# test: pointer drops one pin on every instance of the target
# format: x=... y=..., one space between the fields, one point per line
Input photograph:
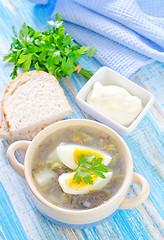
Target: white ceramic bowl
x=79 y=218
x=106 y=76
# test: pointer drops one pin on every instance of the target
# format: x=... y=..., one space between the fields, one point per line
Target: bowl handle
x=17 y=166
x=133 y=202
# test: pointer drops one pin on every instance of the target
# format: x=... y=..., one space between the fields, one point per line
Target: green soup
x=55 y=156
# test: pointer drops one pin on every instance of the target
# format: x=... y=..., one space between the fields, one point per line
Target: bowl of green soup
x=79 y=172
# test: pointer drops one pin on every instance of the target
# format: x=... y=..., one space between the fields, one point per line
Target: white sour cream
x=115 y=102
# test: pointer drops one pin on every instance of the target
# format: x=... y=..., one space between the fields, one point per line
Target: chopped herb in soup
x=78 y=168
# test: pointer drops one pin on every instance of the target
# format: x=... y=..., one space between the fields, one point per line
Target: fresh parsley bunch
x=51 y=51
x=87 y=166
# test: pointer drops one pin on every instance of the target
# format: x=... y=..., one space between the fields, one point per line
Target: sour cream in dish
x=115 y=102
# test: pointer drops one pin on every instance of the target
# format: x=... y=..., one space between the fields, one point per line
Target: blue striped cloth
x=127 y=33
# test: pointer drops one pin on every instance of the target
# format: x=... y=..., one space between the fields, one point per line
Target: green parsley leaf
x=14 y=31
x=89 y=51
x=59 y=17
x=88 y=166
x=67 y=66
x=26 y=64
x=6 y=57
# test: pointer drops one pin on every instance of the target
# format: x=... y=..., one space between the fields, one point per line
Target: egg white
x=98 y=184
x=65 y=154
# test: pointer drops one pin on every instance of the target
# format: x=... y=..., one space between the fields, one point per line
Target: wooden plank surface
x=19 y=218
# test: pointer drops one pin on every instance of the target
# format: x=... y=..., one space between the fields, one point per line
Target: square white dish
x=106 y=76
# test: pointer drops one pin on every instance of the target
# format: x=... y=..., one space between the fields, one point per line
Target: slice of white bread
x=28 y=135
x=31 y=102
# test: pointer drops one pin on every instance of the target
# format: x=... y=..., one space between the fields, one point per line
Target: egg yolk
x=85 y=152
x=72 y=184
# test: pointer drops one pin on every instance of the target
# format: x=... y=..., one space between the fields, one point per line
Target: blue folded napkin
x=127 y=33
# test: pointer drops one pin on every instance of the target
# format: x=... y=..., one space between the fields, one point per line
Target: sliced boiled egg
x=68 y=154
x=70 y=186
